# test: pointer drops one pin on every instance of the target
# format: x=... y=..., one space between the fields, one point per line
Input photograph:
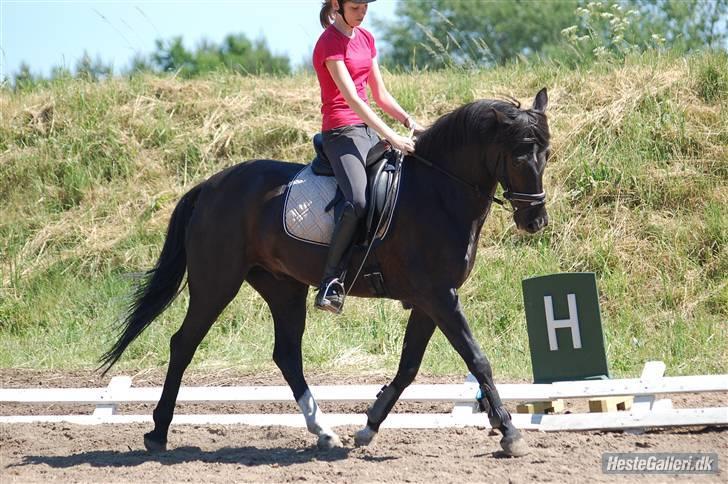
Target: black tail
x=160 y=285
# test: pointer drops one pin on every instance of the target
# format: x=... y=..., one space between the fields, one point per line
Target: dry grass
x=89 y=174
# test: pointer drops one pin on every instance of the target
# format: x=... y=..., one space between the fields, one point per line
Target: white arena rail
x=647 y=411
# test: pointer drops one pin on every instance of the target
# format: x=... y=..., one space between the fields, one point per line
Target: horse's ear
x=541 y=102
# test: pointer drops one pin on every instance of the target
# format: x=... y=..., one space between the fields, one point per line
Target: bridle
x=532 y=199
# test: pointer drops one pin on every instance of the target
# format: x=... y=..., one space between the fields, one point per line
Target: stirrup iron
x=331 y=296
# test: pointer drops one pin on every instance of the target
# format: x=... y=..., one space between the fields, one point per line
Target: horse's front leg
x=445 y=309
x=419 y=331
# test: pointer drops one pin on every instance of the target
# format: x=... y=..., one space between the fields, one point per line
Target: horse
x=227 y=230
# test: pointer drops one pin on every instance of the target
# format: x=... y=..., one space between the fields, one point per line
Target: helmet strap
x=341 y=12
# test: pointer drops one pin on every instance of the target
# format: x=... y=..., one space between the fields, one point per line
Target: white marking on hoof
x=364 y=437
x=516 y=448
x=329 y=441
x=311 y=413
x=327 y=438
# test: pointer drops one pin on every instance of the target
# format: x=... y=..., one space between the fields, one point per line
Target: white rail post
x=465 y=409
x=644 y=404
x=117 y=387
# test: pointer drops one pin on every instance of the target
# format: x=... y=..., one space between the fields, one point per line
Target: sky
x=47 y=33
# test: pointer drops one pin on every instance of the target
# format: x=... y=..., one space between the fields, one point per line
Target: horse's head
x=488 y=142
x=522 y=150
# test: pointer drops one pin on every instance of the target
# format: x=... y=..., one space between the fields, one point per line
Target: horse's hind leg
x=286 y=299
x=212 y=285
x=419 y=331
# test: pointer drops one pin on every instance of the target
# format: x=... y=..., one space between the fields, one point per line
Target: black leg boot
x=331 y=292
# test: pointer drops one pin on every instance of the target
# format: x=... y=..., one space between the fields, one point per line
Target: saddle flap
x=376 y=191
x=377 y=152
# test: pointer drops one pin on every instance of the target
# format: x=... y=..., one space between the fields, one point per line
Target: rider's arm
x=382 y=97
x=343 y=81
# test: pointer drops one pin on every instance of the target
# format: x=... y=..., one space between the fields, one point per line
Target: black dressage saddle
x=383 y=174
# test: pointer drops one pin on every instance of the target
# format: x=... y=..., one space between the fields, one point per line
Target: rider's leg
x=331 y=291
x=346 y=149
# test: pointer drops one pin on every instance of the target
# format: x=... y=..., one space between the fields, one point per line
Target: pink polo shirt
x=357 y=53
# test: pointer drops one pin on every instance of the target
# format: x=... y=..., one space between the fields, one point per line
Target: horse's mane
x=476 y=121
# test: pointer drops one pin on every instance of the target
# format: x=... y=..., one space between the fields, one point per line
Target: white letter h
x=553 y=324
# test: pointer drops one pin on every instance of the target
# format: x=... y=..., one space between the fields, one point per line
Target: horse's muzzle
x=535 y=225
x=531 y=219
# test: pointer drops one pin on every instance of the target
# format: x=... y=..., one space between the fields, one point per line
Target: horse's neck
x=469 y=199
x=444 y=212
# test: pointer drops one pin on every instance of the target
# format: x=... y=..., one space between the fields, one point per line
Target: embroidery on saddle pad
x=304 y=213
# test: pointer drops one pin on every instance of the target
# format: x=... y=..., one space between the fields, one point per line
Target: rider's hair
x=327 y=14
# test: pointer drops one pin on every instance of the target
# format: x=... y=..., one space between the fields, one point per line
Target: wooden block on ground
x=547 y=406
x=610 y=404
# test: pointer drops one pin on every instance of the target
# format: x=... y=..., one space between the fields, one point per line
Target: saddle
x=312 y=199
x=382 y=177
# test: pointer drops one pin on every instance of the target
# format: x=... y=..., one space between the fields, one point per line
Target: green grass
x=638 y=191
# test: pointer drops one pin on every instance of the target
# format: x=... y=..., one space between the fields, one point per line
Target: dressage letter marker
x=564 y=327
x=553 y=324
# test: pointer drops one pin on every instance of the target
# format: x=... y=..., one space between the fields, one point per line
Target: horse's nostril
x=536 y=225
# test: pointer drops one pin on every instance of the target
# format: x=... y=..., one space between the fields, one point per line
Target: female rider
x=345 y=61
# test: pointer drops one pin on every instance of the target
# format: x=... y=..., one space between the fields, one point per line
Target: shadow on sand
x=248 y=456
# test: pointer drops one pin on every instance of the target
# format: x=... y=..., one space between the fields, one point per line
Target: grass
x=89 y=174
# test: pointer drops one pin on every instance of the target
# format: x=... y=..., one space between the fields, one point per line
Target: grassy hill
x=89 y=173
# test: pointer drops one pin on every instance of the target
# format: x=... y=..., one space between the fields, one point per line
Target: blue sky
x=56 y=32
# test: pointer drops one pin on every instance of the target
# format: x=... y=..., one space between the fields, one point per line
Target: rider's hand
x=402 y=143
x=416 y=129
x=413 y=126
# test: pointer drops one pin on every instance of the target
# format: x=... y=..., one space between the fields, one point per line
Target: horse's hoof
x=329 y=441
x=515 y=448
x=153 y=445
x=364 y=437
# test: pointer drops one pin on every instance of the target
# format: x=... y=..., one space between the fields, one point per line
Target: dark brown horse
x=228 y=230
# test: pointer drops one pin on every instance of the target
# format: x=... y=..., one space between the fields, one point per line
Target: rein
x=427 y=162
x=533 y=199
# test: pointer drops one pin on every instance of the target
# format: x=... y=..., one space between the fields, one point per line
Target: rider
x=345 y=60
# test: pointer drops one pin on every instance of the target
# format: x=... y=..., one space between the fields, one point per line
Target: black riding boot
x=331 y=292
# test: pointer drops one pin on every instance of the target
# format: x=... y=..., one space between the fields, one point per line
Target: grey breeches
x=347 y=148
